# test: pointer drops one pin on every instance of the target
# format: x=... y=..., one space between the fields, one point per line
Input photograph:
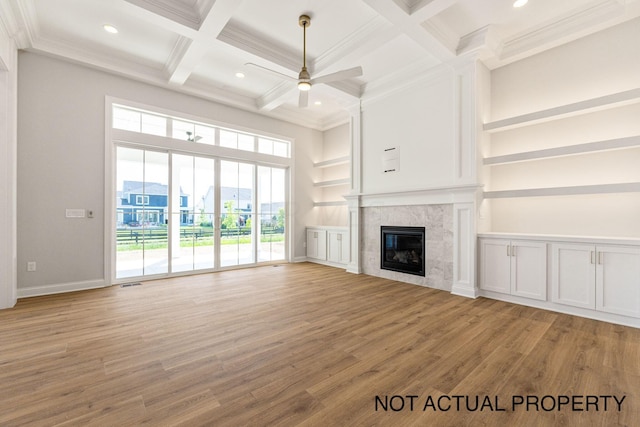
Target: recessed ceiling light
x=318 y=103
x=520 y=3
x=110 y=29
x=240 y=75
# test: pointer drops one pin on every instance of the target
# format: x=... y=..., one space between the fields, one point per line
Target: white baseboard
x=327 y=263
x=564 y=309
x=300 y=259
x=59 y=288
x=464 y=290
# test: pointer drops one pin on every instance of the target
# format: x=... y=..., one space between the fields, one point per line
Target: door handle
x=593 y=257
x=600 y=257
x=508 y=250
x=513 y=250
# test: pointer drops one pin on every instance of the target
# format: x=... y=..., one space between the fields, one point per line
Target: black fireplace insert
x=402 y=249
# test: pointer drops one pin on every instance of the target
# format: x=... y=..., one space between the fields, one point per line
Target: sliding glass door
x=192 y=213
x=271 y=213
x=237 y=219
x=179 y=212
x=142 y=187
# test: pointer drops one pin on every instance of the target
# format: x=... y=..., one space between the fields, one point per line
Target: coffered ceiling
x=198 y=46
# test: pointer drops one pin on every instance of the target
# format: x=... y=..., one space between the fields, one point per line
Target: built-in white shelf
x=627 y=187
x=332 y=162
x=332 y=183
x=581 y=107
x=611 y=144
x=331 y=203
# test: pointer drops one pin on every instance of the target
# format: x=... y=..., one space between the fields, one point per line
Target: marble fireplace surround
x=449 y=217
x=438 y=223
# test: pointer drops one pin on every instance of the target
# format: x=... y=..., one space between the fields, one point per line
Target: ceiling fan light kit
x=304 y=86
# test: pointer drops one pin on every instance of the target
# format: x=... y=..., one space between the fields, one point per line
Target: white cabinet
x=618 y=280
x=338 y=247
x=328 y=245
x=573 y=275
x=516 y=267
x=316 y=244
x=601 y=277
x=495 y=265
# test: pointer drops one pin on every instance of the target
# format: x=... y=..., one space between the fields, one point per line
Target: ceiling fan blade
x=303 y=99
x=269 y=70
x=339 y=75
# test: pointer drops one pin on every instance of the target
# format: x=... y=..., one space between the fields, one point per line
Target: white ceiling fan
x=304 y=79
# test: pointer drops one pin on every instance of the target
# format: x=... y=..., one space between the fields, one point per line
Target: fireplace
x=402 y=249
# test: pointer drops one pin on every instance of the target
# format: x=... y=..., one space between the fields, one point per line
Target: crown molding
x=257 y=44
x=349 y=87
x=177 y=53
x=352 y=43
x=275 y=96
x=483 y=42
x=175 y=11
x=335 y=120
x=442 y=33
x=560 y=30
x=20 y=22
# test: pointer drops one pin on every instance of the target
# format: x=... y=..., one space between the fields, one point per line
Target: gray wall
x=61 y=162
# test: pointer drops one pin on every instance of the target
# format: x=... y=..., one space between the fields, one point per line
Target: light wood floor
x=301 y=344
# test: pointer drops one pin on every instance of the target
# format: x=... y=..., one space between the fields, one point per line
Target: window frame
x=117 y=137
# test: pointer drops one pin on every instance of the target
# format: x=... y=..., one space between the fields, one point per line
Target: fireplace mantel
x=419 y=196
x=463 y=198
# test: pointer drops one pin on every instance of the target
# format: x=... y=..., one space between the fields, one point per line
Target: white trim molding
x=353 y=203
x=464 y=250
x=34 y=291
x=8 y=171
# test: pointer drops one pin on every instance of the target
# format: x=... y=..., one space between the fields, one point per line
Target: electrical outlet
x=31 y=266
x=89 y=214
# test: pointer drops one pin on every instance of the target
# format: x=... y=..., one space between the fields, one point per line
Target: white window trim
x=113 y=137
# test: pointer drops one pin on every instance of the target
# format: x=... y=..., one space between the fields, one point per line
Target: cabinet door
x=316 y=244
x=338 y=246
x=573 y=275
x=618 y=280
x=529 y=269
x=334 y=246
x=495 y=265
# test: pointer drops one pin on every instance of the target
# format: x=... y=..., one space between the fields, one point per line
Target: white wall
x=61 y=164
x=337 y=143
x=8 y=149
x=600 y=64
x=420 y=120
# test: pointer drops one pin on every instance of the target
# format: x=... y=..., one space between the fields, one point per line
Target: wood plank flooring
x=304 y=344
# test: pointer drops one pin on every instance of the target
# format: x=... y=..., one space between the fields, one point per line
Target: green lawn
x=157 y=238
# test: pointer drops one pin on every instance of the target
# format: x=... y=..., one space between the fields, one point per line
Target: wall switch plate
x=31 y=266
x=75 y=213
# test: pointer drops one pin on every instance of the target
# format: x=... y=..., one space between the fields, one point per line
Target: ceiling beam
x=276 y=96
x=211 y=26
x=409 y=21
x=424 y=10
x=198 y=26
x=360 y=43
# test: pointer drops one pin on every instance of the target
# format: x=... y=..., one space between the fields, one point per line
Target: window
x=181 y=207
x=150 y=123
